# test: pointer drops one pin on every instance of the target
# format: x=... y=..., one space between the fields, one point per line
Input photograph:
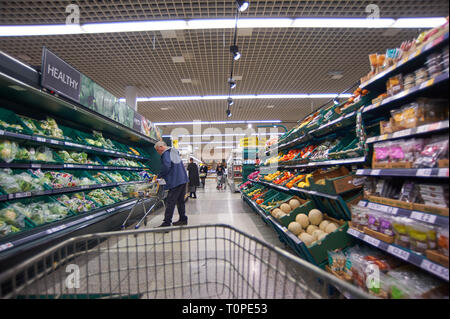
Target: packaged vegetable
x=8 y=150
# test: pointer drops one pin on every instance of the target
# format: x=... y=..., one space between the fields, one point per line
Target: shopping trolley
x=207 y=261
x=155 y=191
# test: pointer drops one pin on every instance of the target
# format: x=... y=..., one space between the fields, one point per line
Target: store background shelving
x=234 y=166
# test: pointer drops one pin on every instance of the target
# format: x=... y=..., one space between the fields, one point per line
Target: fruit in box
x=330 y=228
x=303 y=220
x=285 y=208
x=315 y=217
x=295 y=228
x=311 y=228
x=323 y=225
x=306 y=238
x=294 y=203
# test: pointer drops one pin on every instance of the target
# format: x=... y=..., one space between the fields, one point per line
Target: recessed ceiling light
x=178 y=59
x=270 y=106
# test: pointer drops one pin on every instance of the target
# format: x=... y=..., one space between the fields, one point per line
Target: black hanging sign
x=59 y=76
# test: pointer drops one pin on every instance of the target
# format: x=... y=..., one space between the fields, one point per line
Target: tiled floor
x=223 y=207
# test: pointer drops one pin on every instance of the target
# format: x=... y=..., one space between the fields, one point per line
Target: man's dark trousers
x=175 y=196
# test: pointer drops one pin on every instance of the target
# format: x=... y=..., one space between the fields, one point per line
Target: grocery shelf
x=420 y=130
x=40 y=140
x=402 y=253
x=327 y=163
x=62 y=226
x=405 y=172
x=65 y=190
x=340 y=122
x=429 y=218
x=69 y=166
x=405 y=63
x=408 y=94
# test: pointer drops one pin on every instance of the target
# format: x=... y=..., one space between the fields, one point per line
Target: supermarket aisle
x=222 y=207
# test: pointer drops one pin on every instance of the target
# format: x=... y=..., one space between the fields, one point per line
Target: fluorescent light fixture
x=242 y=97
x=212 y=142
x=224 y=147
x=135 y=26
x=167 y=25
x=218 y=122
x=342 y=23
x=419 y=22
x=221 y=135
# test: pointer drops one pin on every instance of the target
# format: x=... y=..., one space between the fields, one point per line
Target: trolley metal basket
x=208 y=261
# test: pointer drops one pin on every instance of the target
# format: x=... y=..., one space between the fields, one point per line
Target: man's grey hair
x=160 y=143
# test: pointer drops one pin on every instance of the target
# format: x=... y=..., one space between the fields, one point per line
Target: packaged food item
x=418 y=236
x=409 y=81
x=373 y=58
x=434 y=149
x=442 y=241
x=374 y=221
x=381 y=151
x=408 y=192
x=433 y=64
x=8 y=150
x=394 y=85
x=401 y=235
x=386 y=225
x=336 y=260
x=421 y=76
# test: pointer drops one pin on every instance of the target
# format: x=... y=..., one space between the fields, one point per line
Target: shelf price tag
x=353 y=232
x=55 y=229
x=443 y=172
x=424 y=172
x=70 y=144
x=90 y=167
x=402 y=133
x=109 y=210
x=6 y=246
x=434 y=268
x=22 y=195
x=427 y=218
x=400 y=253
x=2 y=132
x=89 y=217
x=53 y=141
x=40 y=139
x=69 y=165
x=35 y=165
x=375 y=172
x=373 y=241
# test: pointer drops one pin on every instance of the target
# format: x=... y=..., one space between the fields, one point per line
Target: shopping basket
x=207 y=261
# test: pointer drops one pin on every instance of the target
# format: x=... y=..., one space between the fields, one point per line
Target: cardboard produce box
x=337 y=181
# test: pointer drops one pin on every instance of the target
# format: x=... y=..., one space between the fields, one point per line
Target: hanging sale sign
x=59 y=76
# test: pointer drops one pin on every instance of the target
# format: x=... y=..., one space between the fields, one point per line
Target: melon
x=295 y=228
x=294 y=203
x=323 y=225
x=285 y=208
x=275 y=212
x=322 y=236
x=330 y=228
x=316 y=234
x=311 y=229
x=315 y=216
x=307 y=239
x=303 y=220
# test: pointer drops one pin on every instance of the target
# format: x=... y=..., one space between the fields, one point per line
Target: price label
x=90 y=167
x=35 y=165
x=55 y=229
x=424 y=172
x=443 y=172
x=400 y=253
x=375 y=172
x=353 y=232
x=427 y=218
x=423 y=128
x=7 y=245
x=373 y=241
x=2 y=132
x=103 y=185
x=70 y=144
x=69 y=165
x=89 y=147
x=428 y=83
x=109 y=210
x=53 y=141
x=22 y=195
x=362 y=203
x=40 y=139
x=84 y=187
x=89 y=217
x=435 y=269
x=402 y=133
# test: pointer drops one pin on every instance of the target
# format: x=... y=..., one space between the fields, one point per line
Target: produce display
x=77 y=202
x=61 y=179
x=116 y=194
x=101 y=197
x=77 y=158
x=122 y=162
x=396 y=280
x=119 y=177
x=11 y=151
x=99 y=141
x=38 y=212
x=12 y=182
x=102 y=178
x=10 y=127
x=283 y=177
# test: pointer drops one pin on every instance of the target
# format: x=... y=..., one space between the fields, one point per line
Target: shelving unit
x=27 y=97
x=234 y=165
x=368 y=116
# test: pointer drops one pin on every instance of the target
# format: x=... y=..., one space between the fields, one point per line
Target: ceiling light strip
x=220 y=122
x=195 y=24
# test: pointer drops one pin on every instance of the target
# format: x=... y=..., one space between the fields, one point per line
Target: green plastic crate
x=19 y=171
x=11 y=118
x=73 y=194
x=304 y=208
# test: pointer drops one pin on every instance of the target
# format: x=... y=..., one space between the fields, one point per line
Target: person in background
x=194 y=180
x=203 y=174
x=174 y=173
x=220 y=173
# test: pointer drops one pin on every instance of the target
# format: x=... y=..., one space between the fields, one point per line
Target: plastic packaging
x=434 y=149
x=400 y=226
x=442 y=241
x=8 y=150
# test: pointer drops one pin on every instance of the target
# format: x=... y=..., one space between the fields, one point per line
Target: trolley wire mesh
x=210 y=261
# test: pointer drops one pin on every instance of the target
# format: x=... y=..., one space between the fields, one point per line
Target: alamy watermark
x=73 y=279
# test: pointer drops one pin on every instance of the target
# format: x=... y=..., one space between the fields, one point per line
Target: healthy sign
x=59 y=76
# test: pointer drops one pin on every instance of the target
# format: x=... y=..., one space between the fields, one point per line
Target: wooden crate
x=378 y=235
x=437 y=257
